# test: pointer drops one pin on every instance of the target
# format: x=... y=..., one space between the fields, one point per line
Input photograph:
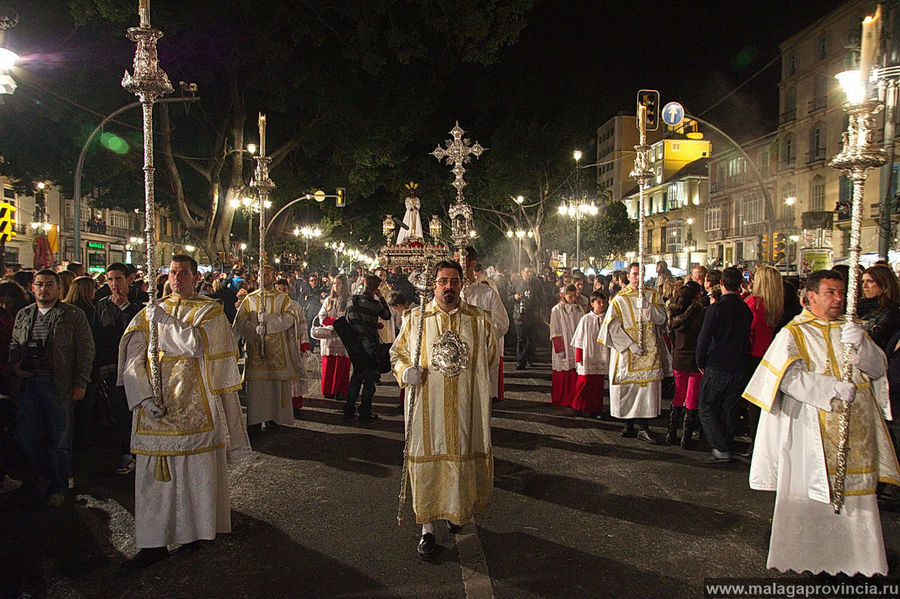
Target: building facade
x=616 y=139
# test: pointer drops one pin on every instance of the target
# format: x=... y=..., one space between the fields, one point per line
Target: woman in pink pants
x=685 y=321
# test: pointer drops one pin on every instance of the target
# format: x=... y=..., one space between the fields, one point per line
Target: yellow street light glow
x=251 y=148
x=8 y=59
x=509 y=234
x=577 y=155
x=520 y=199
x=790 y=201
x=247 y=201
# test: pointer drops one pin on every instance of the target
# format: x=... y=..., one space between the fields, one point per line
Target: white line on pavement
x=476 y=579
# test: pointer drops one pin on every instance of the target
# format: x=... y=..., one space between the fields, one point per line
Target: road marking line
x=476 y=579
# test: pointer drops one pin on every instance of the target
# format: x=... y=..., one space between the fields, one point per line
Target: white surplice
x=595 y=355
x=564 y=320
x=484 y=296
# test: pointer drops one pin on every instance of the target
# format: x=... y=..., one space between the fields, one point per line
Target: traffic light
x=779 y=252
x=762 y=247
x=341 y=201
x=7 y=222
x=650 y=99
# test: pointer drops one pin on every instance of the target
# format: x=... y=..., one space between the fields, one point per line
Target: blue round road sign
x=673 y=114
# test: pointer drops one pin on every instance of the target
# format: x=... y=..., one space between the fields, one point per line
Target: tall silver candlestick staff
x=148 y=83
x=642 y=174
x=264 y=187
x=860 y=154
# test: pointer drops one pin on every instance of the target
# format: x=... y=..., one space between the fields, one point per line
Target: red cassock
x=563 y=387
x=588 y=395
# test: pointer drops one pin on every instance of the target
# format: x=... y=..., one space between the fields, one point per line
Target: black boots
x=691 y=424
x=674 y=419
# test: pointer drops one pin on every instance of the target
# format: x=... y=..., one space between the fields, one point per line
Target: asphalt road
x=577 y=511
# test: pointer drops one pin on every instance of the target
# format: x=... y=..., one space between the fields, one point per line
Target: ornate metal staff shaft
x=641 y=173
x=424 y=283
x=859 y=155
x=148 y=83
x=264 y=187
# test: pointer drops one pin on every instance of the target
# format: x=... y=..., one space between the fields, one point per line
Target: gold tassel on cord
x=162 y=470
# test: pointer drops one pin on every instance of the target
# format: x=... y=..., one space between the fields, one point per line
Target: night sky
x=692 y=52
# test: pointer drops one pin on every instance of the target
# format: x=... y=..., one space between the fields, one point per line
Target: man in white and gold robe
x=182 y=442
x=271 y=381
x=451 y=467
x=635 y=372
x=484 y=295
x=799 y=389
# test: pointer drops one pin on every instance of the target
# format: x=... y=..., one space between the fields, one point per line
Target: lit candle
x=262 y=134
x=871 y=29
x=144 y=12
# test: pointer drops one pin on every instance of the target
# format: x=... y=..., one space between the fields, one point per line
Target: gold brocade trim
x=480 y=506
x=800 y=342
x=451 y=414
x=162 y=470
x=169 y=452
x=168 y=394
x=757 y=402
x=425 y=459
x=779 y=374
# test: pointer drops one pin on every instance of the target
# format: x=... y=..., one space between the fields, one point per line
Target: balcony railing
x=817 y=155
x=101 y=228
x=817 y=104
x=787 y=117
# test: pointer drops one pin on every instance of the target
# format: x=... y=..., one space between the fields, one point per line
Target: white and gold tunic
x=634 y=381
x=272 y=381
x=795 y=452
x=181 y=480
x=482 y=295
x=451 y=466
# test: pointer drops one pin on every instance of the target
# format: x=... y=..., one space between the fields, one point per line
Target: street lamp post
x=308 y=233
x=577 y=156
x=576 y=211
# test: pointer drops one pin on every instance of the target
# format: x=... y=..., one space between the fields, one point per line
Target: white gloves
x=636 y=350
x=152 y=409
x=412 y=376
x=845 y=391
x=261 y=330
x=157 y=314
x=852 y=334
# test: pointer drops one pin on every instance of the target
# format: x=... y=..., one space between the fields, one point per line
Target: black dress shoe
x=646 y=437
x=146 y=557
x=453 y=528
x=368 y=417
x=427 y=547
x=629 y=433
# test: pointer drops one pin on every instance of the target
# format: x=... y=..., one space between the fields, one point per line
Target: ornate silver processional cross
x=457 y=152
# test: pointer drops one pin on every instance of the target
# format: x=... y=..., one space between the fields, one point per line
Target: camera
x=34 y=356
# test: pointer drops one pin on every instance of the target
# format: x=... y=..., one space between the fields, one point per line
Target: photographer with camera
x=527 y=299
x=52 y=352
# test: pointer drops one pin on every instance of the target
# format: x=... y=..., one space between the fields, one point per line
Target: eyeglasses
x=443 y=281
x=40 y=284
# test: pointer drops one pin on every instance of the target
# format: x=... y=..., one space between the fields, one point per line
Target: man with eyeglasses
x=52 y=352
x=451 y=467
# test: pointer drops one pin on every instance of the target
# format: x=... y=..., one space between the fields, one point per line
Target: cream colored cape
x=198 y=359
x=795 y=430
x=485 y=296
x=619 y=332
x=451 y=465
x=285 y=335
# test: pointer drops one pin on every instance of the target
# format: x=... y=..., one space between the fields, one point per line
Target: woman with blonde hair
x=65 y=281
x=335 y=360
x=81 y=294
x=766 y=301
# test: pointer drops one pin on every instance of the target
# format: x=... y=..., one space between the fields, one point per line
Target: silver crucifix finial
x=457 y=152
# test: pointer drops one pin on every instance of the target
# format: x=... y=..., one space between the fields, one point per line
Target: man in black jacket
x=112 y=316
x=527 y=299
x=723 y=347
x=363 y=313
